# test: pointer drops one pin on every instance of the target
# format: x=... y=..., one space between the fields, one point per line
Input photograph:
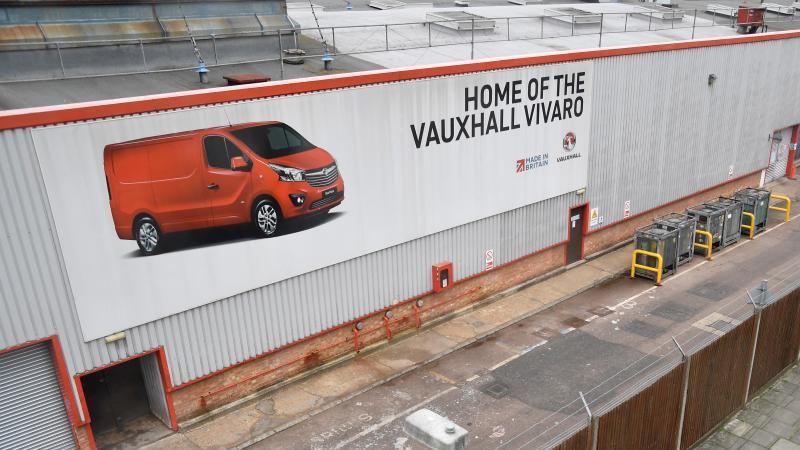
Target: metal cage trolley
x=732 y=224
x=685 y=225
x=711 y=220
x=756 y=202
x=660 y=239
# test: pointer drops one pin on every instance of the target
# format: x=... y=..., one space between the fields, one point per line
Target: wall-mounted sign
x=160 y=213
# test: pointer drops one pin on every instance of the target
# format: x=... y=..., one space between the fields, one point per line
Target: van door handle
x=213 y=186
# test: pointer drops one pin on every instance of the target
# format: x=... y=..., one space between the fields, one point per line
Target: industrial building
x=92 y=338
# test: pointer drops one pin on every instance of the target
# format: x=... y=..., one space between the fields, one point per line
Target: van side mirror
x=240 y=164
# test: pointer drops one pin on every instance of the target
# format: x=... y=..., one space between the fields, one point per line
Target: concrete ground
x=510 y=372
x=770 y=421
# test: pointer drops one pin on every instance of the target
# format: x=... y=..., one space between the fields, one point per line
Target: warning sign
x=489 y=260
x=594 y=217
x=626 y=212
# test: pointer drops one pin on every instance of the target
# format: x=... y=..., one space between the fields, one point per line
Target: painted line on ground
x=392 y=418
x=504 y=362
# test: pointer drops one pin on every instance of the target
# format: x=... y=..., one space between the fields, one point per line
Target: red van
x=261 y=173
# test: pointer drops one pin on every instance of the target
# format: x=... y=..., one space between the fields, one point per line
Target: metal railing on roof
x=64 y=59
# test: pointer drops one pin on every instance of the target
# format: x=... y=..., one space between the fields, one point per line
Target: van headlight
x=288 y=173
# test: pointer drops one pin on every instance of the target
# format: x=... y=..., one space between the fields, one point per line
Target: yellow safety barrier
x=706 y=246
x=752 y=227
x=659 y=269
x=787 y=210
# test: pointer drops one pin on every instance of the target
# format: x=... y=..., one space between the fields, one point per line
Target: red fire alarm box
x=442 y=276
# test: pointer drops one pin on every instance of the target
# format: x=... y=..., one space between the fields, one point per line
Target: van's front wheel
x=148 y=236
x=266 y=217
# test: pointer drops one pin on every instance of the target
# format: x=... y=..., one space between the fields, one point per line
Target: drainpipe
x=791 y=169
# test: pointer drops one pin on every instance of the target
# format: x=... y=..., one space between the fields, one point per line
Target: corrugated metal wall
x=660 y=132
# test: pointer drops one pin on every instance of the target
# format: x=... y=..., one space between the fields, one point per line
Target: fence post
x=386 y=28
x=572 y=26
x=687 y=361
x=430 y=25
x=333 y=39
x=144 y=58
x=541 y=31
x=472 y=41
x=757 y=306
x=214 y=45
x=600 y=42
x=61 y=60
x=595 y=429
x=280 y=50
x=625 y=30
x=694 y=23
x=508 y=28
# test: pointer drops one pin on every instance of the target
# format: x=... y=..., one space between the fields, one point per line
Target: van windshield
x=273 y=141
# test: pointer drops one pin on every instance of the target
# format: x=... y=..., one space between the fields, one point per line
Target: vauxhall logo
x=568 y=143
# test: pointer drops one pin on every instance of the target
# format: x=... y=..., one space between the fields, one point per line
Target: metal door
x=575 y=243
x=32 y=411
x=778 y=155
x=154 y=385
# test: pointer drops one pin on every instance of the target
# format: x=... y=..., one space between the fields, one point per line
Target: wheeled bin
x=756 y=202
x=685 y=225
x=660 y=239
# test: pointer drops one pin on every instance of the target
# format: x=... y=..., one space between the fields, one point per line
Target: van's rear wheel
x=266 y=217
x=148 y=236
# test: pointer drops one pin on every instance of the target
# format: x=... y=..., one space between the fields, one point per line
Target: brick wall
x=281 y=364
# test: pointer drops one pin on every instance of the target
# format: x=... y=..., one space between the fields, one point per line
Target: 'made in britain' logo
x=532 y=162
x=568 y=143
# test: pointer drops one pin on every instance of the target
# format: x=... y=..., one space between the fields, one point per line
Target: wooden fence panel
x=647 y=421
x=778 y=340
x=717 y=381
x=582 y=440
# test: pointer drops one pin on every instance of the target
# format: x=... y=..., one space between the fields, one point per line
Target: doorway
x=577 y=219
x=127 y=402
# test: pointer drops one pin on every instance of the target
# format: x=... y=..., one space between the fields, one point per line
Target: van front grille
x=327 y=200
x=322 y=177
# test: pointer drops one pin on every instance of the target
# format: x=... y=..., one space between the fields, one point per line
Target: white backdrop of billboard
x=402 y=181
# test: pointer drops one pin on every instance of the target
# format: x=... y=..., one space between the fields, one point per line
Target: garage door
x=32 y=412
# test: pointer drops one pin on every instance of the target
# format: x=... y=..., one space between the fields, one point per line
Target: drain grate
x=602 y=311
x=643 y=329
x=721 y=325
x=495 y=389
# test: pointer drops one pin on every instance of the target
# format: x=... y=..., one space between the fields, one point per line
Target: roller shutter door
x=32 y=411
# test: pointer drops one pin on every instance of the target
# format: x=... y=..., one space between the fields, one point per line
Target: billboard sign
x=160 y=213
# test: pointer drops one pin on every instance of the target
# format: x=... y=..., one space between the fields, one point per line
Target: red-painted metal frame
x=791 y=169
x=166 y=382
x=584 y=231
x=62 y=375
x=31 y=117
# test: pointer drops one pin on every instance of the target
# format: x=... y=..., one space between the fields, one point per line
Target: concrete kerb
x=217 y=412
